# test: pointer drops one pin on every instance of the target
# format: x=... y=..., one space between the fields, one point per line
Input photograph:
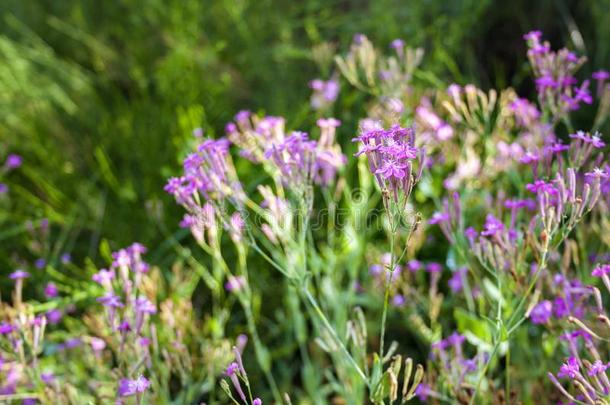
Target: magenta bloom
x=597 y=368
x=231 y=369
x=50 y=290
x=434 y=267
x=569 y=369
x=6 y=328
x=398 y=300
x=13 y=161
x=391 y=154
x=471 y=233
x=601 y=75
x=439 y=217
x=493 y=226
x=110 y=300
x=414 y=265
x=53 y=316
x=132 y=387
x=397 y=44
x=456 y=282
x=422 y=391
x=144 y=306
x=235 y=284
x=601 y=270
x=18 y=275
x=455 y=339
x=47 y=377
x=103 y=276
x=542 y=312
x=97 y=344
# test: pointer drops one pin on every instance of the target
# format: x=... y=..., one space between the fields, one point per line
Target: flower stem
x=258 y=348
x=331 y=330
x=484 y=371
x=386 y=299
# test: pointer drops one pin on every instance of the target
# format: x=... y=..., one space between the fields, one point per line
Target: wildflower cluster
x=558 y=92
x=391 y=155
x=499 y=290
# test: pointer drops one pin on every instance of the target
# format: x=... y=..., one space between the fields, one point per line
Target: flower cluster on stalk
x=128 y=311
x=393 y=159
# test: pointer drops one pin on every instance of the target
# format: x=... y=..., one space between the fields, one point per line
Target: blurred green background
x=101 y=97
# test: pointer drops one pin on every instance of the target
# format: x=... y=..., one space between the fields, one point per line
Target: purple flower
x=422 y=391
x=97 y=344
x=13 y=161
x=235 y=284
x=54 y=316
x=582 y=93
x=601 y=75
x=65 y=258
x=493 y=226
x=414 y=265
x=324 y=93
x=47 y=377
x=584 y=137
x=471 y=233
x=19 y=275
x=569 y=369
x=455 y=339
x=526 y=113
x=3 y=188
x=529 y=158
x=545 y=82
x=597 y=368
x=434 y=267
x=103 y=276
x=540 y=186
x=257 y=401
x=392 y=169
x=231 y=369
x=560 y=308
x=40 y=263
x=397 y=44
x=533 y=36
x=143 y=305
x=132 y=387
x=124 y=327
x=390 y=155
x=72 y=343
x=398 y=300
x=470 y=365
x=6 y=328
x=600 y=270
x=456 y=282
x=439 y=217
x=375 y=269
x=541 y=313
x=110 y=300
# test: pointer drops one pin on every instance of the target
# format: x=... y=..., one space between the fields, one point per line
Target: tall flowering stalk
x=397 y=166
x=295 y=164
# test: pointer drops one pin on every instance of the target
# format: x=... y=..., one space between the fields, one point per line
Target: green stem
x=333 y=333
x=507 y=395
x=386 y=299
x=484 y=371
x=258 y=348
x=541 y=266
